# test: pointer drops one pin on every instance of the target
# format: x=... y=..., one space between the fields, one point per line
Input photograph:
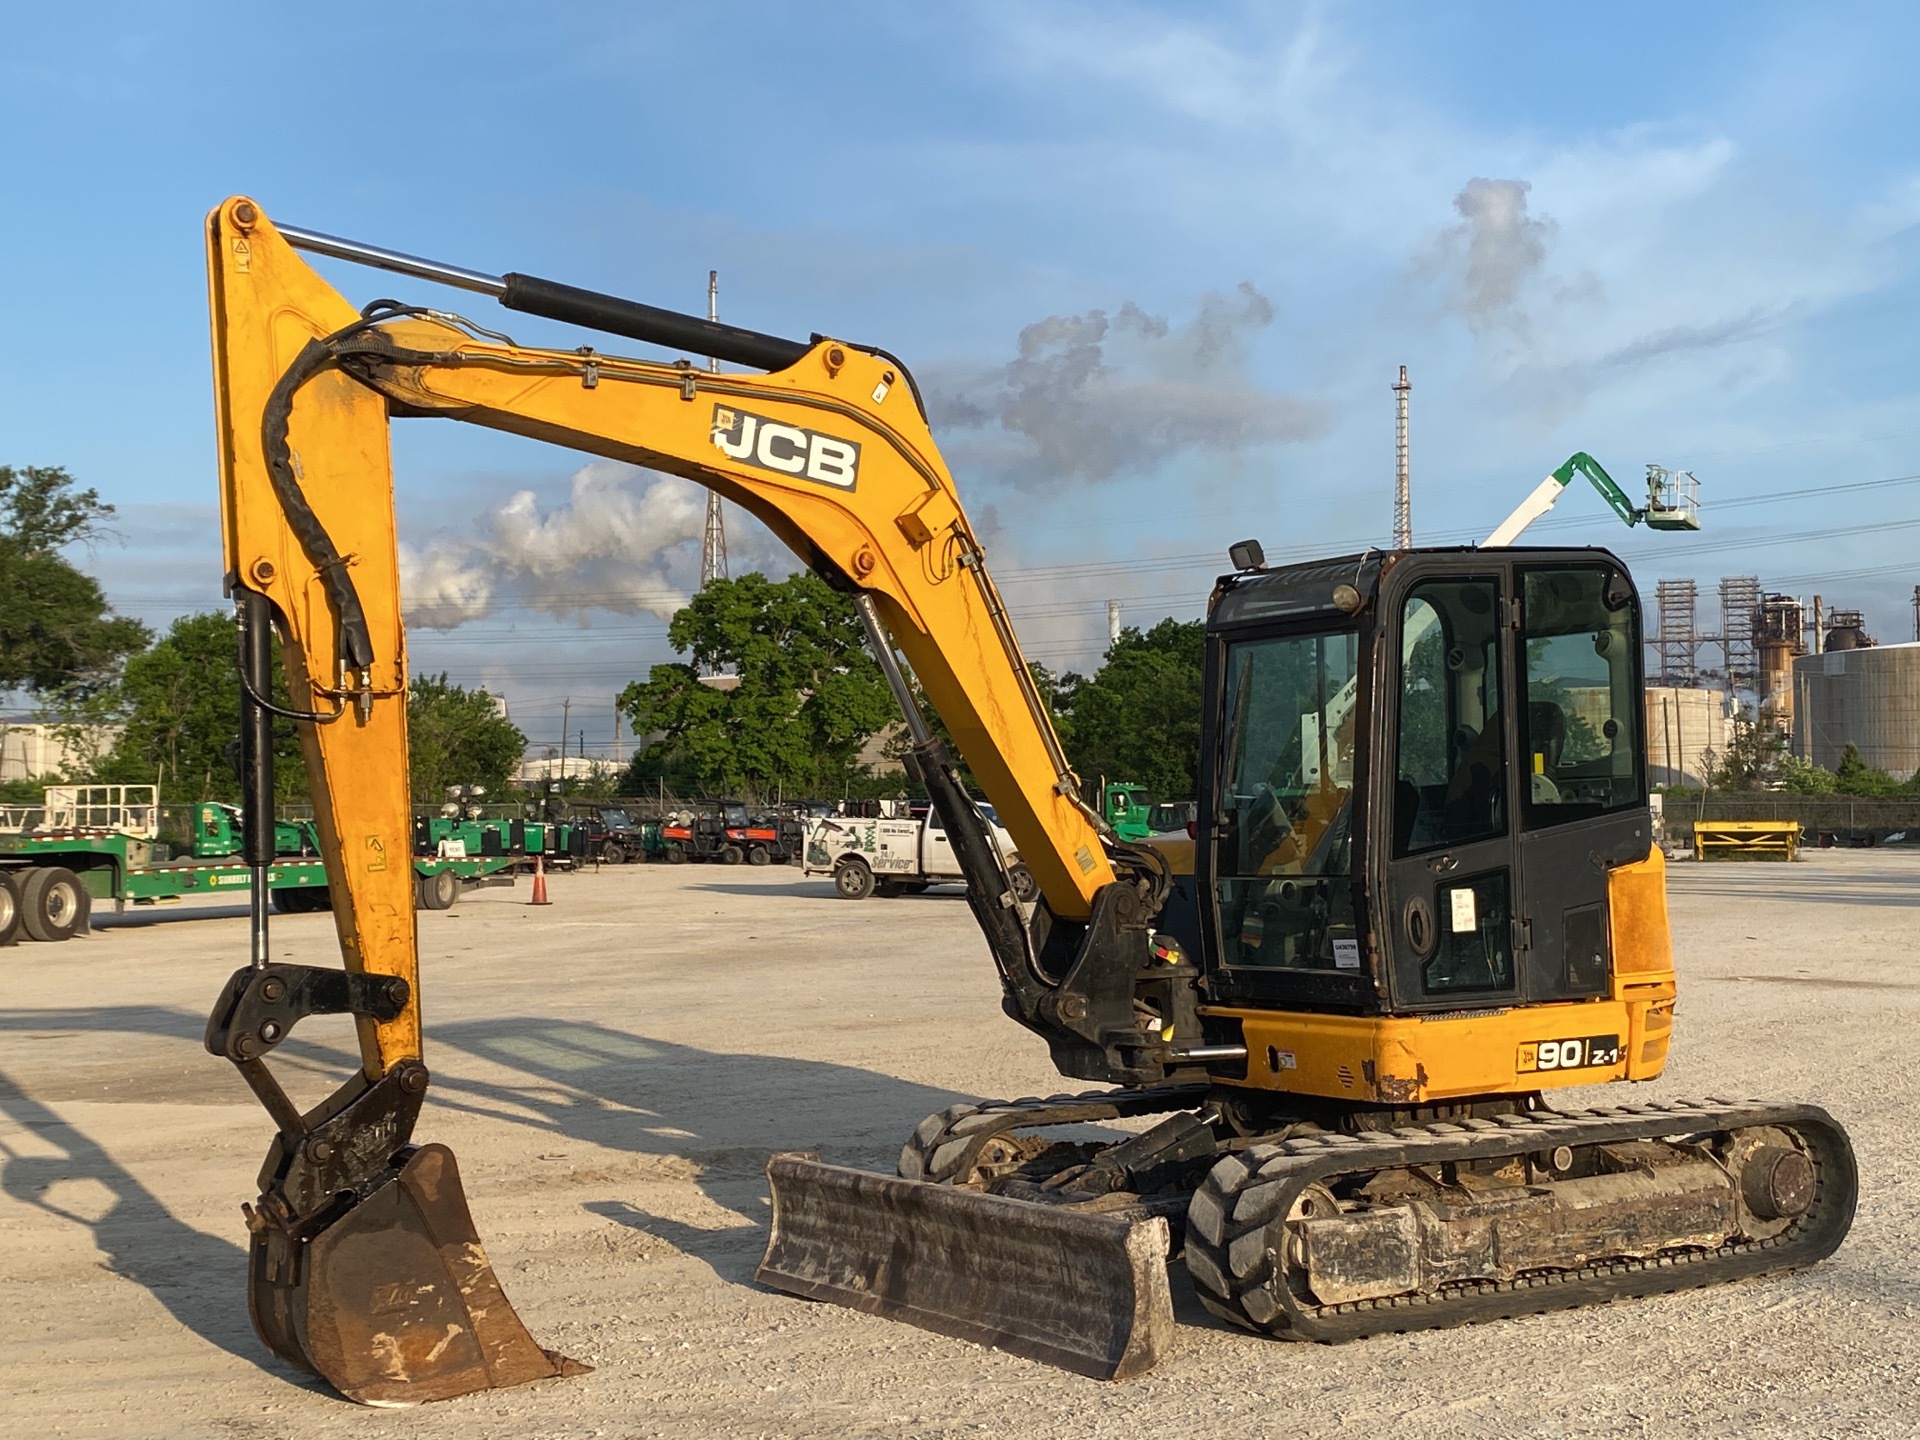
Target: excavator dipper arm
x=832 y=452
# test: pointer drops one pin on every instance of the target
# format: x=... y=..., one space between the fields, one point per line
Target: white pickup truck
x=900 y=856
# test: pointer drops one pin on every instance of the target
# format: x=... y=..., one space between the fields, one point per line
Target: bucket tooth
x=1078 y=1289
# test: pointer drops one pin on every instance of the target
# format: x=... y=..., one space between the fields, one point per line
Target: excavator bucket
x=394 y=1302
x=1079 y=1289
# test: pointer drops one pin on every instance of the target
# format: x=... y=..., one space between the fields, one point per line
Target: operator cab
x=1418 y=768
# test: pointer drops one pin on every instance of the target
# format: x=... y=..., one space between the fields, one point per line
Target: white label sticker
x=1464 y=919
x=1346 y=954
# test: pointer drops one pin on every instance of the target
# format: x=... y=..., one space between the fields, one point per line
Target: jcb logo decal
x=785 y=449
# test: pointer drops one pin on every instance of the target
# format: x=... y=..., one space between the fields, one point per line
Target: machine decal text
x=1575 y=1054
x=785 y=449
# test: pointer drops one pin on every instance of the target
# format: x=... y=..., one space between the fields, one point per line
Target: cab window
x=1580 y=726
x=1283 y=856
x=1450 y=787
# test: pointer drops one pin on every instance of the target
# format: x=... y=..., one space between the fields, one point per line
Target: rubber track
x=1232 y=1261
x=944 y=1145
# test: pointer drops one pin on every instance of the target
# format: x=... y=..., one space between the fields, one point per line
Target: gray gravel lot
x=613 y=1070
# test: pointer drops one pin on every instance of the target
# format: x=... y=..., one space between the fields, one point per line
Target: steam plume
x=1494 y=251
x=613 y=546
x=1090 y=395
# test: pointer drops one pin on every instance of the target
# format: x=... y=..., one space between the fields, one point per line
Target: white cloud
x=615 y=545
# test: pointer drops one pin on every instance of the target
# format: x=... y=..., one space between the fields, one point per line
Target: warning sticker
x=1464 y=918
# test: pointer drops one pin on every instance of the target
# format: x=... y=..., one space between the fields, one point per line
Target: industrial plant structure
x=1809 y=671
x=1867 y=696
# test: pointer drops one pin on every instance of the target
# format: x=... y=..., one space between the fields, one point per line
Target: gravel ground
x=612 y=1072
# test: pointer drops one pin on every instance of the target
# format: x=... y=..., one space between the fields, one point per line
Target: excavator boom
x=832 y=452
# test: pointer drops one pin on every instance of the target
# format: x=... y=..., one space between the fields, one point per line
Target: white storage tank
x=1686 y=734
x=1867 y=695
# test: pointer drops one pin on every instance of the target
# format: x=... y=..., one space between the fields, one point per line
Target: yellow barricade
x=1745 y=839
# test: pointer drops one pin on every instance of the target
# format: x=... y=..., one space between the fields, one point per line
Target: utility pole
x=566 y=715
x=713 y=547
x=1916 y=612
x=1402 y=490
x=616 y=735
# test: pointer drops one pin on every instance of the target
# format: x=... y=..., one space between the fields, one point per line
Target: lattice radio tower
x=1402 y=490
x=713 y=545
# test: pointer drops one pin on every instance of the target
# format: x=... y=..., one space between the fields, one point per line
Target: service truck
x=900 y=856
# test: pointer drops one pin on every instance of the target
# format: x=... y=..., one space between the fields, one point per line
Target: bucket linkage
x=363 y=1264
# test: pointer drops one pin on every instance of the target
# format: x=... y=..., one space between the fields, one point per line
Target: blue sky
x=1677 y=234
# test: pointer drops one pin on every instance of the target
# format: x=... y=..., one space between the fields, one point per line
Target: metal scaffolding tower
x=1678 y=643
x=1402 y=489
x=713 y=545
x=1739 y=609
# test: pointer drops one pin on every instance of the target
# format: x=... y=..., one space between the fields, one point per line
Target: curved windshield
x=1282 y=857
x=1289 y=753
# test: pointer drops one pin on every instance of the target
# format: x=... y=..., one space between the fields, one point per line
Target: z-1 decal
x=1577 y=1054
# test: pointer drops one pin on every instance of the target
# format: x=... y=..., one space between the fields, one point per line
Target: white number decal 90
x=1561 y=1054
x=1575 y=1054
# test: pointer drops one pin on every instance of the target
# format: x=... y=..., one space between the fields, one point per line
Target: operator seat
x=1546 y=743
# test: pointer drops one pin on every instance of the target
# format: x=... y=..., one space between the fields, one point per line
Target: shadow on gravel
x=708 y=1117
x=818 y=888
x=724 y=1112
x=733 y=1254
x=711 y=1118
x=199 y=1278
x=821 y=888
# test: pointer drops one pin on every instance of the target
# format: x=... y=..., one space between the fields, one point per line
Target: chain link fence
x=1823 y=819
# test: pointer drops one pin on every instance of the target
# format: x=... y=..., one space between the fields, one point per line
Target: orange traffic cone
x=540 y=881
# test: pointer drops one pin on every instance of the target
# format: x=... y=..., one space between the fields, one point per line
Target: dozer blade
x=393 y=1301
x=1081 y=1290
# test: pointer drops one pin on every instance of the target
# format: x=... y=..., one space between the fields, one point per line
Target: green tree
x=1800 y=777
x=1753 y=759
x=1137 y=718
x=456 y=736
x=1853 y=776
x=807 y=695
x=179 y=704
x=57 y=632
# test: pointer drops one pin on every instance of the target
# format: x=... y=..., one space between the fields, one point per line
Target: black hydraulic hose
x=356 y=641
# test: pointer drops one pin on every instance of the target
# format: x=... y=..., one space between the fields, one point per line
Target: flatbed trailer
x=66 y=859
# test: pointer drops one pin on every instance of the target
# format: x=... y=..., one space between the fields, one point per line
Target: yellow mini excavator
x=1421 y=894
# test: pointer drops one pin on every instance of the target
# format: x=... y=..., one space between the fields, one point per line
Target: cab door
x=939 y=858
x=1582 y=797
x=1446 y=924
